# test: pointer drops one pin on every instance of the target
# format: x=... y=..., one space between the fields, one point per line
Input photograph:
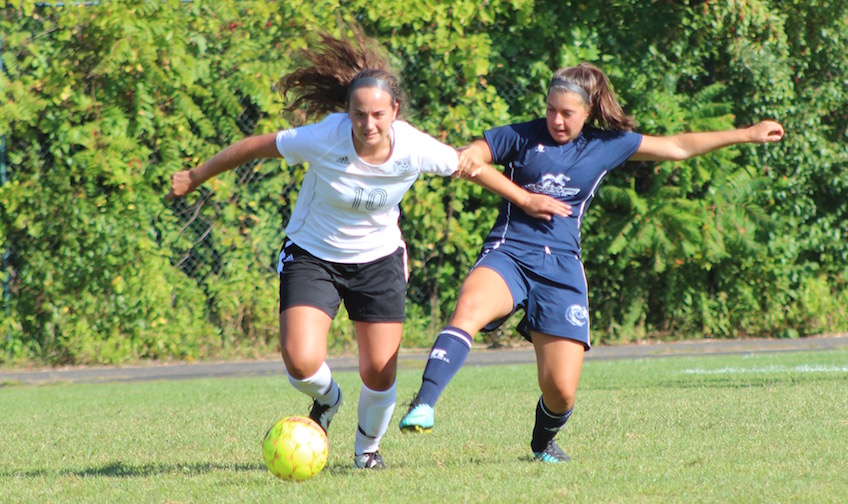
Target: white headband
x=567 y=84
x=370 y=82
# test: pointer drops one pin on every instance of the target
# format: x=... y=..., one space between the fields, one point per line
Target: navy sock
x=447 y=356
x=548 y=424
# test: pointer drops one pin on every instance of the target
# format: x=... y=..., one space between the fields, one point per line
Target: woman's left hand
x=542 y=206
x=766 y=131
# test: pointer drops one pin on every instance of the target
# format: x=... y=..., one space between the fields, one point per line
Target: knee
x=559 y=403
x=378 y=379
x=301 y=373
x=467 y=314
x=559 y=398
x=300 y=368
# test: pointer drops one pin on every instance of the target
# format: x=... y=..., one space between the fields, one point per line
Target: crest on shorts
x=577 y=315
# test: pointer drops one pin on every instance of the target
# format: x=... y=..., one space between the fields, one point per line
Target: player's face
x=567 y=113
x=372 y=111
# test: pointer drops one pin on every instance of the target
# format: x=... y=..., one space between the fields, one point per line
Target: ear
x=395 y=110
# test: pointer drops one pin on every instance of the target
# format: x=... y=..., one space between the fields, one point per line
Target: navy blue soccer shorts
x=372 y=292
x=549 y=285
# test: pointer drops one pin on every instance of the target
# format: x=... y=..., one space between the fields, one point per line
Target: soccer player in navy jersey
x=343 y=242
x=535 y=264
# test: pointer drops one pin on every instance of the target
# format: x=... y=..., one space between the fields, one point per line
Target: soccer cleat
x=419 y=418
x=369 y=460
x=323 y=413
x=552 y=454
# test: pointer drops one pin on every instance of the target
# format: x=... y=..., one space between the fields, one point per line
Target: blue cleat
x=419 y=418
x=552 y=454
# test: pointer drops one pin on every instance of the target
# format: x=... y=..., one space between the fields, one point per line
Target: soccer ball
x=295 y=448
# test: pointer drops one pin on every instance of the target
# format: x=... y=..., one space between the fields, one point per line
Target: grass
x=756 y=428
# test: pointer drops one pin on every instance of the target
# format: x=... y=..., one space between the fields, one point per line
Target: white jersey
x=347 y=210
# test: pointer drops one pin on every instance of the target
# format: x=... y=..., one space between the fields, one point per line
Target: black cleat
x=369 y=460
x=323 y=413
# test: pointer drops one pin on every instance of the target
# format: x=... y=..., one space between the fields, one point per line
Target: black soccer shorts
x=372 y=292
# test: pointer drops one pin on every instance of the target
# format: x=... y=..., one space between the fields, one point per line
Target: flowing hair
x=606 y=113
x=331 y=65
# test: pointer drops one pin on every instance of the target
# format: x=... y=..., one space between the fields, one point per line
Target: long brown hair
x=331 y=65
x=606 y=112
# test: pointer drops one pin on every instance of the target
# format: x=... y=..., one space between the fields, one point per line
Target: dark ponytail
x=330 y=66
x=606 y=113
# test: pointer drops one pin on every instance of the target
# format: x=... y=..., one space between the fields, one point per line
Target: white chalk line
x=804 y=368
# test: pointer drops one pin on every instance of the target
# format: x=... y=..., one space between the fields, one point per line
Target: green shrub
x=99 y=104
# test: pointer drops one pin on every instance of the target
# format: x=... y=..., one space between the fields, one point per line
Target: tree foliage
x=100 y=103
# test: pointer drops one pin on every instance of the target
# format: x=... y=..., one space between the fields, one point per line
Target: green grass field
x=755 y=428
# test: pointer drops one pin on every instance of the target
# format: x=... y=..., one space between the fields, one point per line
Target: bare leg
x=378 y=349
x=303 y=345
x=484 y=297
x=303 y=339
x=559 y=362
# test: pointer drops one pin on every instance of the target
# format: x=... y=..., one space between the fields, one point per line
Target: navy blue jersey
x=569 y=173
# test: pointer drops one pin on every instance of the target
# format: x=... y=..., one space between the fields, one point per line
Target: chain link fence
x=203 y=258
x=200 y=216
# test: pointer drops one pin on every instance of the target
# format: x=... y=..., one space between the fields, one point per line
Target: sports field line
x=806 y=368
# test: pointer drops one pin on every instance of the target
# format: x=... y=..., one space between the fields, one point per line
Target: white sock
x=320 y=386
x=375 y=413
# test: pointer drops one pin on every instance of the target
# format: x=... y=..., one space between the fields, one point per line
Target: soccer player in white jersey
x=534 y=264
x=343 y=242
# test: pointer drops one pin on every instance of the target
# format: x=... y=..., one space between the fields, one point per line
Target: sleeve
x=434 y=157
x=306 y=143
x=505 y=142
x=292 y=144
x=619 y=146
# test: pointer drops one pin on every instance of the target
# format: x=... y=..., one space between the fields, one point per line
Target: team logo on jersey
x=439 y=354
x=540 y=148
x=343 y=161
x=577 y=315
x=402 y=165
x=553 y=185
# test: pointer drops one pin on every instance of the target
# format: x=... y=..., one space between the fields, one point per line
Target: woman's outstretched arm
x=247 y=149
x=687 y=145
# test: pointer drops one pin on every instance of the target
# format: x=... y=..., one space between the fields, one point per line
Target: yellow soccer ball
x=295 y=448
